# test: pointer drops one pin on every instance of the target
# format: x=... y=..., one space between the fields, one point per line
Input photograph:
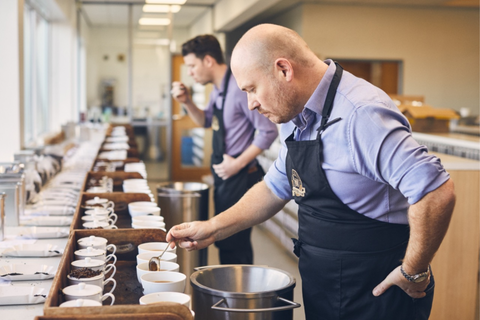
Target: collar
x=314 y=105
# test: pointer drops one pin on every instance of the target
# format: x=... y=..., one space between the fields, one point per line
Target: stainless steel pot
x=241 y=292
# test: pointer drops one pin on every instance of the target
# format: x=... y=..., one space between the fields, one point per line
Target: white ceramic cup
x=99 y=211
x=99 y=224
x=145 y=257
x=143 y=210
x=93 y=253
x=81 y=303
x=156 y=297
x=97 y=190
x=163 y=281
x=94 y=264
x=86 y=291
x=155 y=247
x=164 y=266
x=96 y=242
x=100 y=217
x=105 y=203
x=96 y=281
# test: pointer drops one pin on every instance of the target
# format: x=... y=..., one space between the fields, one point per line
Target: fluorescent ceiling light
x=161 y=8
x=153 y=42
x=154 y=21
x=166 y=1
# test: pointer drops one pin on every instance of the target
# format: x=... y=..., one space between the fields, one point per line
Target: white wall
x=439 y=46
x=151 y=70
x=11 y=76
x=291 y=18
x=107 y=42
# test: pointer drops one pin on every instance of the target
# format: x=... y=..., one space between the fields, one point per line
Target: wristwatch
x=416 y=278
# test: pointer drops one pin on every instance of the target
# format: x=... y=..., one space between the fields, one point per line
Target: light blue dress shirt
x=371 y=160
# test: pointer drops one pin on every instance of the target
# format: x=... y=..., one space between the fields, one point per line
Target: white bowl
x=142 y=203
x=147 y=218
x=143 y=210
x=145 y=257
x=142 y=268
x=148 y=224
x=156 y=297
x=155 y=247
x=163 y=281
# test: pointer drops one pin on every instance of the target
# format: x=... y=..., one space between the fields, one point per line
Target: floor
x=266 y=250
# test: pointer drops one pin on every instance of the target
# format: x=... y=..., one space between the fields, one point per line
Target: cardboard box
x=425 y=118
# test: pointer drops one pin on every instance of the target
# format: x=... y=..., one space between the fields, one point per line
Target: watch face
x=420 y=278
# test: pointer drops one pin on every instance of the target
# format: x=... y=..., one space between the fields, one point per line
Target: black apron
x=342 y=254
x=236 y=249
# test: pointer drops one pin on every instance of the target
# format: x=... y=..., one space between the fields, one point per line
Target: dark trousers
x=236 y=249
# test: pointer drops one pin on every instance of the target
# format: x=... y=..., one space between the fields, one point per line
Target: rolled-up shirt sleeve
x=393 y=156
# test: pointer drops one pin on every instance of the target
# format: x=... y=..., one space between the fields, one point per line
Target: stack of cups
x=89 y=273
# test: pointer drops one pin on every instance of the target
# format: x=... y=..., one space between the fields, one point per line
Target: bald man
x=374 y=206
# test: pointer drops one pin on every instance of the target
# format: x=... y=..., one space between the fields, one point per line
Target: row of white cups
x=168 y=284
x=100 y=213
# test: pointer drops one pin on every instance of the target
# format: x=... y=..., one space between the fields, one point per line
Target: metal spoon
x=154 y=263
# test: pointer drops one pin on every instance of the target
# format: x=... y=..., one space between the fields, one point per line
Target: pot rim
x=245 y=295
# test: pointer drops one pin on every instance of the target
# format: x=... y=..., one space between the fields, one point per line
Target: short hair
x=204 y=45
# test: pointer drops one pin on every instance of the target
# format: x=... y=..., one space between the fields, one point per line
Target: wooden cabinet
x=456 y=263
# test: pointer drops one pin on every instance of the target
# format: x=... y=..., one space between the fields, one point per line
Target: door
x=191 y=144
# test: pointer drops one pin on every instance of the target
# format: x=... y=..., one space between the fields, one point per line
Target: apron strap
x=225 y=85
x=328 y=105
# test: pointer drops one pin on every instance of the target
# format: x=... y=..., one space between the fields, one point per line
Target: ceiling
x=114 y=13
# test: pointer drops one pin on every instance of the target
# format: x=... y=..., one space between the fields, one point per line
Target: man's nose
x=253 y=104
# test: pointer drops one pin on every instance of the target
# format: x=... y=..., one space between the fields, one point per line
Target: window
x=36 y=77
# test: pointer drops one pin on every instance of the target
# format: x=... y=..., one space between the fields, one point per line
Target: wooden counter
x=456 y=264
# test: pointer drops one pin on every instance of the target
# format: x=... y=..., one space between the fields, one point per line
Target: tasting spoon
x=154 y=263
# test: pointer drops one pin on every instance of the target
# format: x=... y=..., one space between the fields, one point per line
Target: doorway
x=385 y=74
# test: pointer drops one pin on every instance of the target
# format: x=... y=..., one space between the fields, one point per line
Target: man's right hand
x=192 y=235
x=180 y=92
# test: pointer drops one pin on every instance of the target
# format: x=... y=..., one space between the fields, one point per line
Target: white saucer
x=15 y=272
x=32 y=250
x=12 y=295
x=44 y=233
x=48 y=221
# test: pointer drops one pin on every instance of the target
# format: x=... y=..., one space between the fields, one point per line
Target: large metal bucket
x=184 y=202
x=242 y=292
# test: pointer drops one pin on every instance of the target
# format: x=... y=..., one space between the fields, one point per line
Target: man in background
x=235 y=145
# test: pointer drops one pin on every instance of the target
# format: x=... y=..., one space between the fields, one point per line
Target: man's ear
x=208 y=61
x=284 y=69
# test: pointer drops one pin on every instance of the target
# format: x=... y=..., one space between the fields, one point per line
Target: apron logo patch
x=297 y=188
x=215 y=125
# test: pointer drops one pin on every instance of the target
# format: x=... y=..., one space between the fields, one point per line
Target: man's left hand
x=227 y=168
x=414 y=290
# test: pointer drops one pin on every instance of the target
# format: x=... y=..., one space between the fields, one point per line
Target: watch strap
x=414 y=277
